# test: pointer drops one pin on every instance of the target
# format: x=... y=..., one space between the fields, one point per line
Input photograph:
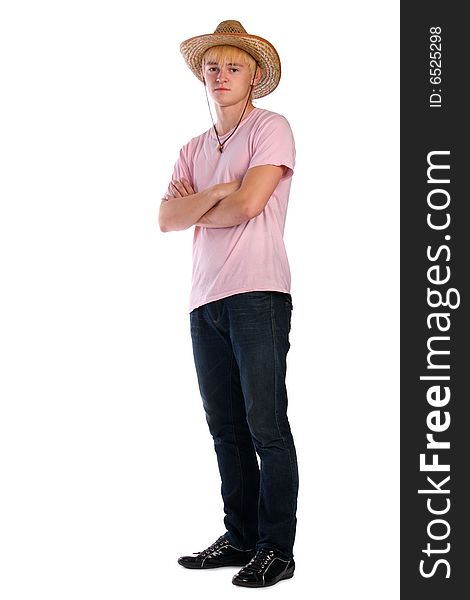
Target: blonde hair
x=229 y=54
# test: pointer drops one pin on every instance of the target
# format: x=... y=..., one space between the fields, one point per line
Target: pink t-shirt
x=250 y=256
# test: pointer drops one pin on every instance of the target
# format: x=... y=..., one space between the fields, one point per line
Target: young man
x=233 y=182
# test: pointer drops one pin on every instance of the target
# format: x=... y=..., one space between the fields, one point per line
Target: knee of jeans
x=221 y=430
x=269 y=433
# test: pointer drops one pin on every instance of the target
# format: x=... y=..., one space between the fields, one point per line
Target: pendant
x=221 y=148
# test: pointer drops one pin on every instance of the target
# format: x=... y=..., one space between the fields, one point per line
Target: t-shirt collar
x=243 y=121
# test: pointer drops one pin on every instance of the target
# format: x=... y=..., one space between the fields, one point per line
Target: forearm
x=229 y=212
x=181 y=213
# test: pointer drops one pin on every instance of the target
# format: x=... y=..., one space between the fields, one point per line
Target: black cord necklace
x=222 y=144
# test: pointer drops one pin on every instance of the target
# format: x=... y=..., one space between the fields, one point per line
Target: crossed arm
x=222 y=205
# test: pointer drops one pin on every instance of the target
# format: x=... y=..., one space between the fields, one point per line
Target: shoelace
x=213 y=547
x=260 y=560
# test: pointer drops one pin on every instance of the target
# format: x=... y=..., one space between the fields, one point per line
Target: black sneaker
x=220 y=554
x=267 y=567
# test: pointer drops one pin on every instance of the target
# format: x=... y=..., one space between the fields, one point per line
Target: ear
x=258 y=75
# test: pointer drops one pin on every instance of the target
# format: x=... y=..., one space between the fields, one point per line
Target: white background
x=108 y=472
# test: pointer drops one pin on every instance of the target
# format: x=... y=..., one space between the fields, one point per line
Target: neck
x=228 y=116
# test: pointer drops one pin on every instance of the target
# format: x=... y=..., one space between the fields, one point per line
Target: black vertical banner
x=435 y=270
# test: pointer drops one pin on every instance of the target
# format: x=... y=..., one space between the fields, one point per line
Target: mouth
x=221 y=90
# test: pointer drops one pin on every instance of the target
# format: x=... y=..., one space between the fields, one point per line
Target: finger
x=184 y=187
x=181 y=187
x=176 y=189
x=187 y=186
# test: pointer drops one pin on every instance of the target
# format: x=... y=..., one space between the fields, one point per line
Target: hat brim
x=260 y=49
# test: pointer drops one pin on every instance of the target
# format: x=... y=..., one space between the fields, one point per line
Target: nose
x=222 y=76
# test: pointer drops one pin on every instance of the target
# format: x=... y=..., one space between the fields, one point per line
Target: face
x=228 y=83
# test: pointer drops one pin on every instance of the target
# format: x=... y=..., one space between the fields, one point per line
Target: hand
x=180 y=188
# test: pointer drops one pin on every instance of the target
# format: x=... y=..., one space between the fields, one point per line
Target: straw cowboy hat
x=232 y=33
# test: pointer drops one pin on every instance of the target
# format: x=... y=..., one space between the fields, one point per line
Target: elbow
x=251 y=210
x=162 y=224
x=161 y=219
x=165 y=225
x=247 y=208
x=164 y=221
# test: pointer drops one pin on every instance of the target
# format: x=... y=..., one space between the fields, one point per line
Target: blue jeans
x=240 y=344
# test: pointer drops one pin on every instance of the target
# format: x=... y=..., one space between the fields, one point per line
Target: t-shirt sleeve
x=273 y=144
x=181 y=169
